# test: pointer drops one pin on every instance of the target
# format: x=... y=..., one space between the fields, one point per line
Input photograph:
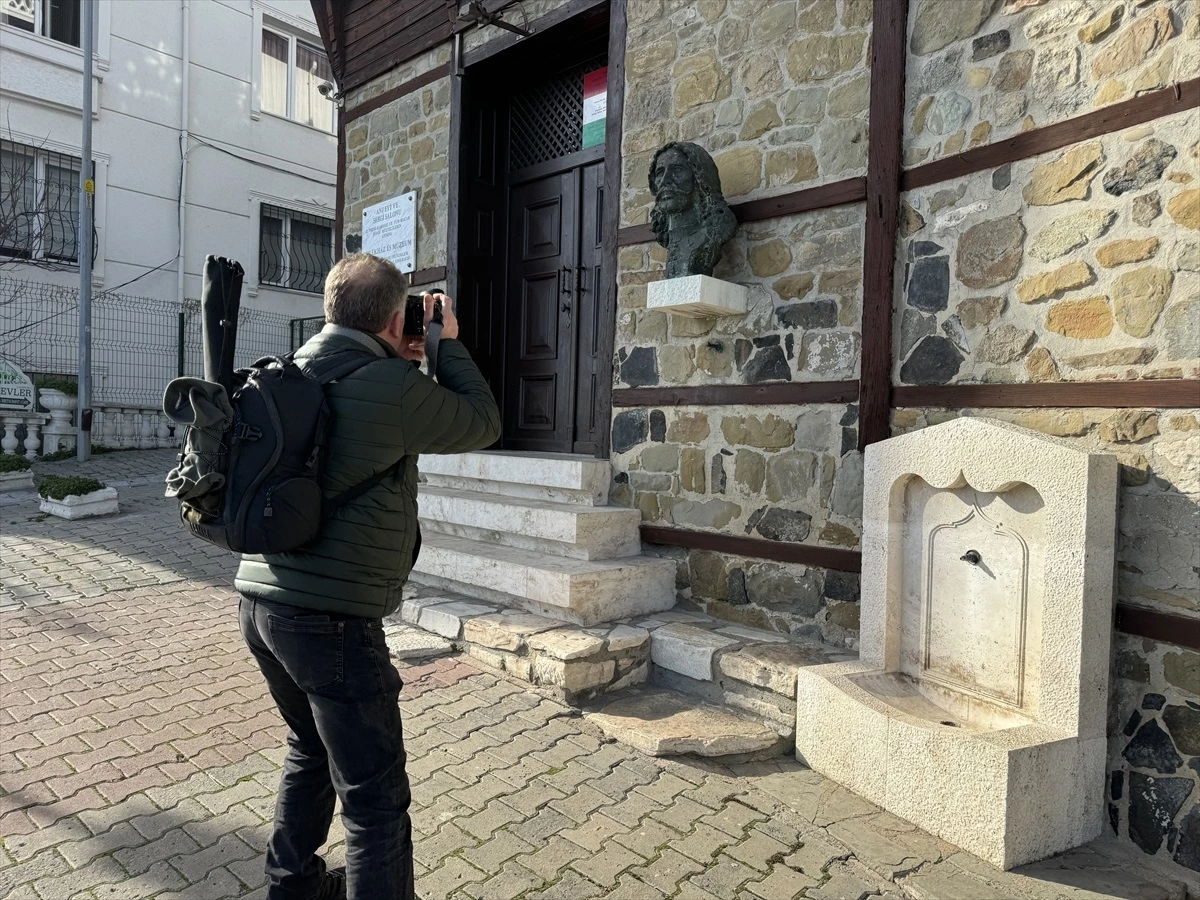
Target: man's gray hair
x=364 y=291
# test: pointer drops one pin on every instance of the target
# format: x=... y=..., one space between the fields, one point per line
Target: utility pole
x=83 y=244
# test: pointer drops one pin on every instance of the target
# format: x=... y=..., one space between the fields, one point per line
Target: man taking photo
x=313 y=617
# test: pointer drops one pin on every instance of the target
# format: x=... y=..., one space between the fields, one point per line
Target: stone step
x=584 y=592
x=563 y=478
x=670 y=723
x=563 y=529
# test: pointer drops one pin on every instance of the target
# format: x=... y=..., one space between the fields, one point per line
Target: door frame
x=460 y=65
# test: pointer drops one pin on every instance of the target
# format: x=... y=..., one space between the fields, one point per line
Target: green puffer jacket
x=385 y=412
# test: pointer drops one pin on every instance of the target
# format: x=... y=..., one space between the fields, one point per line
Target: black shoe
x=333 y=884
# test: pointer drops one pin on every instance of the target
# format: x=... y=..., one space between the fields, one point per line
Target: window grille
x=547 y=117
x=295 y=250
x=39 y=204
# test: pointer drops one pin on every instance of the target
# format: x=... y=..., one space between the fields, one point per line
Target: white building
x=258 y=135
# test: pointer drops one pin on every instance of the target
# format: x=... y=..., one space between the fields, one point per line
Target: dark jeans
x=338 y=691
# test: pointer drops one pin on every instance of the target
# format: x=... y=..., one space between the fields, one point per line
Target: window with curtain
x=274 y=73
x=39 y=204
x=292 y=73
x=58 y=20
x=295 y=249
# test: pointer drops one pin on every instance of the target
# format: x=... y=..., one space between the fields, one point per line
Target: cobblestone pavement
x=139 y=754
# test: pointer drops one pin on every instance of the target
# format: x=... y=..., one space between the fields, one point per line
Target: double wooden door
x=552 y=334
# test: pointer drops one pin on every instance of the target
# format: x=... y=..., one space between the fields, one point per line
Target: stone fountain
x=977 y=708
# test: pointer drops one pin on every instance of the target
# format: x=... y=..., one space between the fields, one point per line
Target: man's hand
x=449 y=320
x=412 y=348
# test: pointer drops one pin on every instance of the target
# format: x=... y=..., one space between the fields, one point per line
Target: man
x=312 y=618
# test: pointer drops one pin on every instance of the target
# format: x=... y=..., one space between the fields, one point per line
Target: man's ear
x=395 y=325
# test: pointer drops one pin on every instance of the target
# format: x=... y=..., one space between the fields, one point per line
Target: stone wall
x=980 y=71
x=778 y=94
x=400 y=147
x=1077 y=265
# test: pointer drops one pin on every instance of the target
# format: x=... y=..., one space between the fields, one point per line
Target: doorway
x=533 y=301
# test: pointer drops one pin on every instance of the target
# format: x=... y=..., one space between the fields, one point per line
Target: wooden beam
x=825 y=196
x=564 y=12
x=611 y=215
x=883 y=216
x=1146 y=108
x=1171 y=628
x=754 y=548
x=1165 y=393
x=792 y=393
x=380 y=100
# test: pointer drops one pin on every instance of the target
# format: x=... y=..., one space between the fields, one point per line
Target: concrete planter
x=97 y=503
x=16 y=481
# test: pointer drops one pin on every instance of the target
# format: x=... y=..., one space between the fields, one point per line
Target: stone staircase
x=525 y=568
x=534 y=532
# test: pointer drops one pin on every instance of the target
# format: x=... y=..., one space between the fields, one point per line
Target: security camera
x=327 y=90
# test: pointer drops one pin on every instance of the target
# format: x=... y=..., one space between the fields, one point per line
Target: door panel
x=540 y=364
x=588 y=407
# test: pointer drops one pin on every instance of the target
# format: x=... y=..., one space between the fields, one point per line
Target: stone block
x=687 y=650
x=698 y=296
x=446 y=619
x=571 y=676
x=626 y=637
x=567 y=644
x=412 y=643
x=773 y=666
x=664 y=723
x=505 y=630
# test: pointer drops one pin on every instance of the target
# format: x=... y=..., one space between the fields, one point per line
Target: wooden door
x=591 y=412
x=543 y=255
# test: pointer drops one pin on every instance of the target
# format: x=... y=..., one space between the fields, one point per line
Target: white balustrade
x=33 y=441
x=128 y=438
x=9 y=442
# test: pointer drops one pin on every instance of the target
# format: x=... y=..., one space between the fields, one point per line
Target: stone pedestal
x=977 y=709
x=698 y=296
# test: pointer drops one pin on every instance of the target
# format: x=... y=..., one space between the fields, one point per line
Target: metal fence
x=138 y=343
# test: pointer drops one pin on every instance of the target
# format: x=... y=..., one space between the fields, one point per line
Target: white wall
x=138 y=87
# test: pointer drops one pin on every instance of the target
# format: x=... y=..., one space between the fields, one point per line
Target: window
x=292 y=73
x=55 y=19
x=39 y=203
x=295 y=250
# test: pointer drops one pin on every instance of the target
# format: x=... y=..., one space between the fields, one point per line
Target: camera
x=326 y=89
x=414 y=313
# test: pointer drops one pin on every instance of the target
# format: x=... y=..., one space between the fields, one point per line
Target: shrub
x=56 y=487
x=55 y=383
x=61 y=455
x=13 y=463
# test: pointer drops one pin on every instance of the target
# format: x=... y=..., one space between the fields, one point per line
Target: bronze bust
x=690 y=216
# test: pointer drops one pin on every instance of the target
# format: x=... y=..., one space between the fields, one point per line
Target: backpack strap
x=332 y=506
x=331 y=368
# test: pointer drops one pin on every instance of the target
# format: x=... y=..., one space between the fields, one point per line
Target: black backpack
x=251 y=481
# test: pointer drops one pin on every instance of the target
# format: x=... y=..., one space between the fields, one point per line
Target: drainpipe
x=184 y=122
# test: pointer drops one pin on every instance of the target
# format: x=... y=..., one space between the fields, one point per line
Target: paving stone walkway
x=139 y=754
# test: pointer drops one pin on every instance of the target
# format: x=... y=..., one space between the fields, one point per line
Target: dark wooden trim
x=431 y=275
x=339 y=212
x=883 y=217
x=557 y=17
x=611 y=223
x=554 y=166
x=1170 y=628
x=792 y=393
x=1164 y=393
x=824 y=196
x=397 y=92
x=755 y=548
x=337 y=16
x=455 y=178
x=1154 y=105
x=492 y=6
